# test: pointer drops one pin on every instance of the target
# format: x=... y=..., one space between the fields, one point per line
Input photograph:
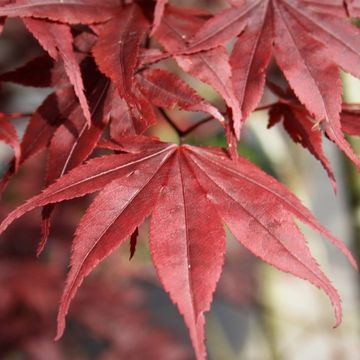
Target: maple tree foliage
x=107 y=63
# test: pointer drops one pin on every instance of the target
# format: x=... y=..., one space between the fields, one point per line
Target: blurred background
x=122 y=312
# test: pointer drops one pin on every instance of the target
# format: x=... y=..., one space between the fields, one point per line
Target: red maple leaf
x=101 y=61
x=195 y=190
x=308 y=44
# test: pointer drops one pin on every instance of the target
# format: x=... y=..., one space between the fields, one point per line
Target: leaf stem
x=171 y=122
x=195 y=126
x=266 y=107
x=183 y=133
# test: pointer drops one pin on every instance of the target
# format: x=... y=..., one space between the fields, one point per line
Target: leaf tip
x=60 y=327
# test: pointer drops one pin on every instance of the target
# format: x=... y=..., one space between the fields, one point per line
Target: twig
x=171 y=122
x=265 y=107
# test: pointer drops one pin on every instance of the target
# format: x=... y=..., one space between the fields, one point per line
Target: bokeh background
x=121 y=312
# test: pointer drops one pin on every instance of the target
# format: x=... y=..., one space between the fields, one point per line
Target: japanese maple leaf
x=309 y=45
x=43 y=72
x=189 y=192
x=72 y=143
x=38 y=72
x=57 y=40
x=55 y=37
x=41 y=127
x=212 y=67
x=117 y=49
x=299 y=124
x=303 y=128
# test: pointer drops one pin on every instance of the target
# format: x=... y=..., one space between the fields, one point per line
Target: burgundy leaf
x=165 y=89
x=111 y=64
x=249 y=60
x=221 y=28
x=91 y=177
x=188 y=255
x=57 y=40
x=297 y=122
x=309 y=72
x=71 y=144
x=38 y=72
x=45 y=120
x=112 y=217
x=350 y=121
x=117 y=49
x=211 y=67
x=68 y=11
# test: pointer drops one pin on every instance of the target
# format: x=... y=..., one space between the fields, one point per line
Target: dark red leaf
x=38 y=72
x=71 y=144
x=68 y=11
x=249 y=60
x=188 y=255
x=117 y=49
x=57 y=40
x=166 y=90
x=50 y=114
x=350 y=121
x=211 y=67
x=297 y=122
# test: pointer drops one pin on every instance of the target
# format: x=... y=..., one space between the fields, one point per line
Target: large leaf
x=309 y=45
x=187 y=190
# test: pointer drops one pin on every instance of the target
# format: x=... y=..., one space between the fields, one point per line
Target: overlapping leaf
x=103 y=74
x=72 y=143
x=299 y=124
x=212 y=67
x=309 y=45
x=57 y=40
x=350 y=120
x=166 y=90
